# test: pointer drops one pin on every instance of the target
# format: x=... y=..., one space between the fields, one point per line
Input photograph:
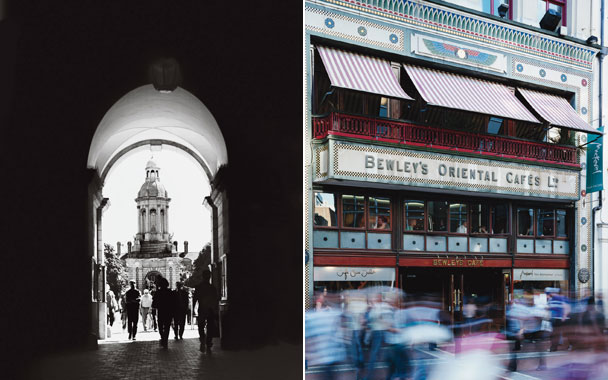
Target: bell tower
x=152 y=211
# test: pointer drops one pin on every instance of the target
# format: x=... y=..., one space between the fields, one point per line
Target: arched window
x=170 y=277
x=162 y=221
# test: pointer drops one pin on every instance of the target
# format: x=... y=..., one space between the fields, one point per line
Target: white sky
x=185 y=183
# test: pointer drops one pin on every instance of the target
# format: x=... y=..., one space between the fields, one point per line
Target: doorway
x=456 y=289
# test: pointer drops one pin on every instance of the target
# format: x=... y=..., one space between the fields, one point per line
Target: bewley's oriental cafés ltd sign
x=360 y=162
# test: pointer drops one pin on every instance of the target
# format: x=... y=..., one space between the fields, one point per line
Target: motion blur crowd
x=380 y=332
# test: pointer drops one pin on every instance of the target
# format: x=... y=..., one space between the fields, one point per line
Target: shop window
x=379 y=214
x=353 y=211
x=561 y=224
x=458 y=218
x=525 y=225
x=383 y=111
x=556 y=5
x=500 y=219
x=438 y=213
x=545 y=226
x=325 y=210
x=414 y=215
x=479 y=218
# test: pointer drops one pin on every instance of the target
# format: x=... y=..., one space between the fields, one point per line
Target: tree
x=200 y=264
x=116 y=273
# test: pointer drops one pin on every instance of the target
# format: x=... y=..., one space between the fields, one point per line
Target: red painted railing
x=411 y=134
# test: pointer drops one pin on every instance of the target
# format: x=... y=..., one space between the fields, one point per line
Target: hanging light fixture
x=165 y=74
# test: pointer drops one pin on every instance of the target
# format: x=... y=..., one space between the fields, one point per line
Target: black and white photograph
x=153 y=195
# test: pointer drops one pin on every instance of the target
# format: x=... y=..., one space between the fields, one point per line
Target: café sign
x=354 y=274
x=530 y=274
x=359 y=162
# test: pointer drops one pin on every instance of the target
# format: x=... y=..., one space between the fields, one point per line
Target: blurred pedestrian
x=356 y=307
x=559 y=307
x=206 y=296
x=123 y=310
x=181 y=310
x=153 y=313
x=379 y=319
x=133 y=297
x=112 y=306
x=146 y=304
x=164 y=303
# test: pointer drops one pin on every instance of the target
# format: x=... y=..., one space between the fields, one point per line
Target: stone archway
x=144 y=118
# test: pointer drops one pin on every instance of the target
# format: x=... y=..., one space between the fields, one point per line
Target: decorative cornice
x=439 y=19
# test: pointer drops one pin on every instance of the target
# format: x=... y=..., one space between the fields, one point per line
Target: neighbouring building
x=446 y=147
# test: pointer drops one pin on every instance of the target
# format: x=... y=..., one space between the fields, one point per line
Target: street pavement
x=562 y=364
x=120 y=358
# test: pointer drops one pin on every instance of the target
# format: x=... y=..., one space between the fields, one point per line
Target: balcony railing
x=419 y=135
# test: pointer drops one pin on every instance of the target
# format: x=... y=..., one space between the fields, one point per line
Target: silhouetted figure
x=181 y=310
x=164 y=303
x=132 y=298
x=206 y=296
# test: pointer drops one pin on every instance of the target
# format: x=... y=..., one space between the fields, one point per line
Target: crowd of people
x=355 y=329
x=163 y=309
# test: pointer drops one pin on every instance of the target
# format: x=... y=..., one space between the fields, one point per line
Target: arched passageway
x=146 y=118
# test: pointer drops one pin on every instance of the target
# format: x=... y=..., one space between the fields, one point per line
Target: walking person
x=146 y=304
x=181 y=310
x=164 y=303
x=206 y=296
x=132 y=298
x=112 y=307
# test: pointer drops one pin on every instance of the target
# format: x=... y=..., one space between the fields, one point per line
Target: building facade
x=153 y=253
x=445 y=146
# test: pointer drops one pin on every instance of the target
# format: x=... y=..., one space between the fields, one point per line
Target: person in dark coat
x=132 y=298
x=206 y=296
x=164 y=303
x=181 y=310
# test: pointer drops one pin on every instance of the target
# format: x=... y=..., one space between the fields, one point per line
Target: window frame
x=424 y=217
x=338 y=213
x=367 y=214
x=341 y=225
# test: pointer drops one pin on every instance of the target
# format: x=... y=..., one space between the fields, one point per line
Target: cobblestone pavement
x=119 y=358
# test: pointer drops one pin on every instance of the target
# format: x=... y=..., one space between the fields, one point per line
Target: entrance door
x=455 y=296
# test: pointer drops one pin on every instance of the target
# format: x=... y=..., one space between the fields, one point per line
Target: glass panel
x=438 y=214
x=325 y=210
x=479 y=218
x=379 y=213
x=500 y=219
x=525 y=216
x=541 y=9
x=383 y=107
x=555 y=7
x=486 y=6
x=458 y=218
x=545 y=226
x=353 y=208
x=562 y=223
x=414 y=215
x=495 y=126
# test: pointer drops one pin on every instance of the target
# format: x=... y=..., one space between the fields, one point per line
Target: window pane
x=414 y=215
x=495 y=126
x=541 y=9
x=486 y=6
x=525 y=216
x=458 y=218
x=438 y=215
x=555 y=7
x=379 y=213
x=479 y=218
x=353 y=207
x=500 y=219
x=325 y=210
x=545 y=225
x=383 y=112
x=562 y=226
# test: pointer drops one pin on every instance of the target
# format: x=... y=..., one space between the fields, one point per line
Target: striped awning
x=556 y=110
x=361 y=73
x=443 y=89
